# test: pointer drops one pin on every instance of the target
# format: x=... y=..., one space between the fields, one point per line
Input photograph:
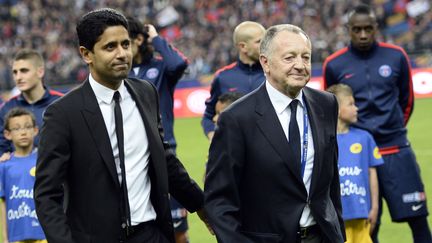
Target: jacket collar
x=363 y=54
x=255 y=67
x=45 y=96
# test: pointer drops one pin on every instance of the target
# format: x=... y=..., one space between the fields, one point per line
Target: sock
x=420 y=230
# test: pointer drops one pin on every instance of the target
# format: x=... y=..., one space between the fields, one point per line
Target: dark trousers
x=145 y=233
x=312 y=236
x=317 y=238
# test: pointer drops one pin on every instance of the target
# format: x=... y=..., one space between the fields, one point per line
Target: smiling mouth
x=298 y=75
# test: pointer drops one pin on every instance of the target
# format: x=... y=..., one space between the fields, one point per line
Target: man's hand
x=151 y=32
x=5 y=156
x=210 y=135
x=203 y=216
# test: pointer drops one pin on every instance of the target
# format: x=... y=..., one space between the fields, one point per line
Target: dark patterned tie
x=125 y=210
x=294 y=132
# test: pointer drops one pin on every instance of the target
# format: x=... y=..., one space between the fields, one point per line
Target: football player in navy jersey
x=380 y=77
x=164 y=72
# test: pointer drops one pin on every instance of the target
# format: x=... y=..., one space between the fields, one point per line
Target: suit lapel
x=315 y=114
x=270 y=126
x=97 y=128
x=142 y=102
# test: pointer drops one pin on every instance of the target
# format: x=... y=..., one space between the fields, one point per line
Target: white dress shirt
x=281 y=103
x=136 y=149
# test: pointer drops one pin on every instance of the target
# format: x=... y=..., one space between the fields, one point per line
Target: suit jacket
x=76 y=164
x=254 y=191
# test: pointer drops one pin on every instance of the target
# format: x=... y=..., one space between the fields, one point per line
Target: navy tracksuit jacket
x=383 y=89
x=164 y=73
x=236 y=77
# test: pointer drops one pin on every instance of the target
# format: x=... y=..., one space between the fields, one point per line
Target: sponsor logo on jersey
x=152 y=73
x=385 y=71
x=416 y=207
x=349 y=75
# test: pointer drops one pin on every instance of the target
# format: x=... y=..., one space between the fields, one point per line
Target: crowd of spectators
x=202 y=29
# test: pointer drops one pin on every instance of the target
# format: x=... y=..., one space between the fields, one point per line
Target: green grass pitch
x=193 y=147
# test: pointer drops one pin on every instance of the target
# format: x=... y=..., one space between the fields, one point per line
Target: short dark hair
x=230 y=97
x=92 y=25
x=361 y=9
x=135 y=28
x=16 y=112
x=30 y=54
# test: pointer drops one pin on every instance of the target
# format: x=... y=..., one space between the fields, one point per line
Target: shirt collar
x=279 y=100
x=106 y=94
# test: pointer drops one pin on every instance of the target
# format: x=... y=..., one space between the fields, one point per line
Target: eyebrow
x=20 y=69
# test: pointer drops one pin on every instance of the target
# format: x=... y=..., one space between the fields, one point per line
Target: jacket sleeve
x=328 y=75
x=5 y=145
x=175 y=62
x=405 y=85
x=52 y=163
x=180 y=185
x=209 y=113
x=223 y=178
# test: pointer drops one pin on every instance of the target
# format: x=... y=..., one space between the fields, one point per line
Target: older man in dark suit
x=272 y=174
x=101 y=151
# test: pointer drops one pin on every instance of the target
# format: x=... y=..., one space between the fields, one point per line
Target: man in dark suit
x=272 y=174
x=101 y=151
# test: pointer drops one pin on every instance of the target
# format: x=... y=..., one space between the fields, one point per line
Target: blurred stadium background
x=202 y=30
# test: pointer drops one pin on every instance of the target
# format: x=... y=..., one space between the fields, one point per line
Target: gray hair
x=270 y=34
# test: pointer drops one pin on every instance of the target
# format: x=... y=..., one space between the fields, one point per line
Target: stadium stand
x=201 y=29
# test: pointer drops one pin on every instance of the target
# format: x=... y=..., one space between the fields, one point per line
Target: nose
x=363 y=34
x=298 y=63
x=121 y=53
x=17 y=76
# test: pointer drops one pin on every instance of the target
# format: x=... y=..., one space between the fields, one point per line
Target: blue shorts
x=401 y=185
x=179 y=216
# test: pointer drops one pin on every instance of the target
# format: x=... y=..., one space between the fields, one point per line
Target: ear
x=35 y=130
x=40 y=72
x=241 y=46
x=7 y=134
x=264 y=63
x=86 y=54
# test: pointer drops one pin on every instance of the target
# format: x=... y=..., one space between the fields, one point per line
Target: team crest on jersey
x=152 y=73
x=376 y=153
x=385 y=71
x=356 y=148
